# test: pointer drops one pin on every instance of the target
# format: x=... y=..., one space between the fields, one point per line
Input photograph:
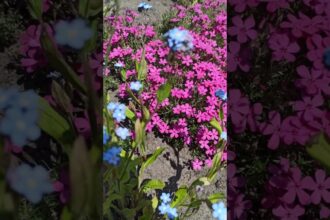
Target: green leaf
x=129 y=213
x=214 y=198
x=140 y=134
x=66 y=214
x=83 y=7
x=320 y=150
x=154 y=202
x=80 y=178
x=60 y=96
x=164 y=92
x=35 y=8
x=142 y=68
x=123 y=75
x=180 y=197
x=151 y=159
x=54 y=125
x=205 y=181
x=153 y=184
x=216 y=125
x=129 y=114
x=215 y=167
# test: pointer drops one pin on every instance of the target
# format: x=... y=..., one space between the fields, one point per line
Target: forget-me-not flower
x=73 y=33
x=144 y=6
x=119 y=65
x=219 y=211
x=165 y=197
x=136 y=86
x=221 y=95
x=7 y=97
x=31 y=182
x=163 y=208
x=179 y=40
x=172 y=213
x=123 y=133
x=223 y=135
x=119 y=111
x=112 y=155
x=106 y=136
x=19 y=127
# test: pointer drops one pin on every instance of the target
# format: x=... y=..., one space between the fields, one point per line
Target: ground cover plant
x=279 y=112
x=168 y=79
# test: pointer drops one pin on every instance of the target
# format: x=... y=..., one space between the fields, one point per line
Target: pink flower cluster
x=198 y=74
x=237 y=202
x=295 y=42
x=313 y=79
x=289 y=192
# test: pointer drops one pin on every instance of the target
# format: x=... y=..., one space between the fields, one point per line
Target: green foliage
x=320 y=150
x=164 y=92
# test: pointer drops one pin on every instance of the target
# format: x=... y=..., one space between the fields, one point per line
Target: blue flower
x=7 y=97
x=31 y=182
x=112 y=155
x=179 y=40
x=119 y=115
x=144 y=6
x=119 y=65
x=163 y=208
x=106 y=136
x=119 y=111
x=221 y=95
x=136 y=86
x=172 y=213
x=223 y=135
x=73 y=34
x=326 y=58
x=19 y=126
x=123 y=133
x=219 y=211
x=165 y=197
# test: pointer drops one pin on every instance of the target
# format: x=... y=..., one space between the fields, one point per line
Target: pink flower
x=235 y=58
x=243 y=29
x=197 y=164
x=282 y=48
x=302 y=24
x=312 y=81
x=46 y=5
x=238 y=207
x=320 y=187
x=285 y=212
x=272 y=128
x=316 y=46
x=294 y=131
x=324 y=212
x=309 y=107
x=273 y=5
x=82 y=125
x=241 y=5
x=296 y=188
x=253 y=115
x=239 y=108
x=9 y=147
